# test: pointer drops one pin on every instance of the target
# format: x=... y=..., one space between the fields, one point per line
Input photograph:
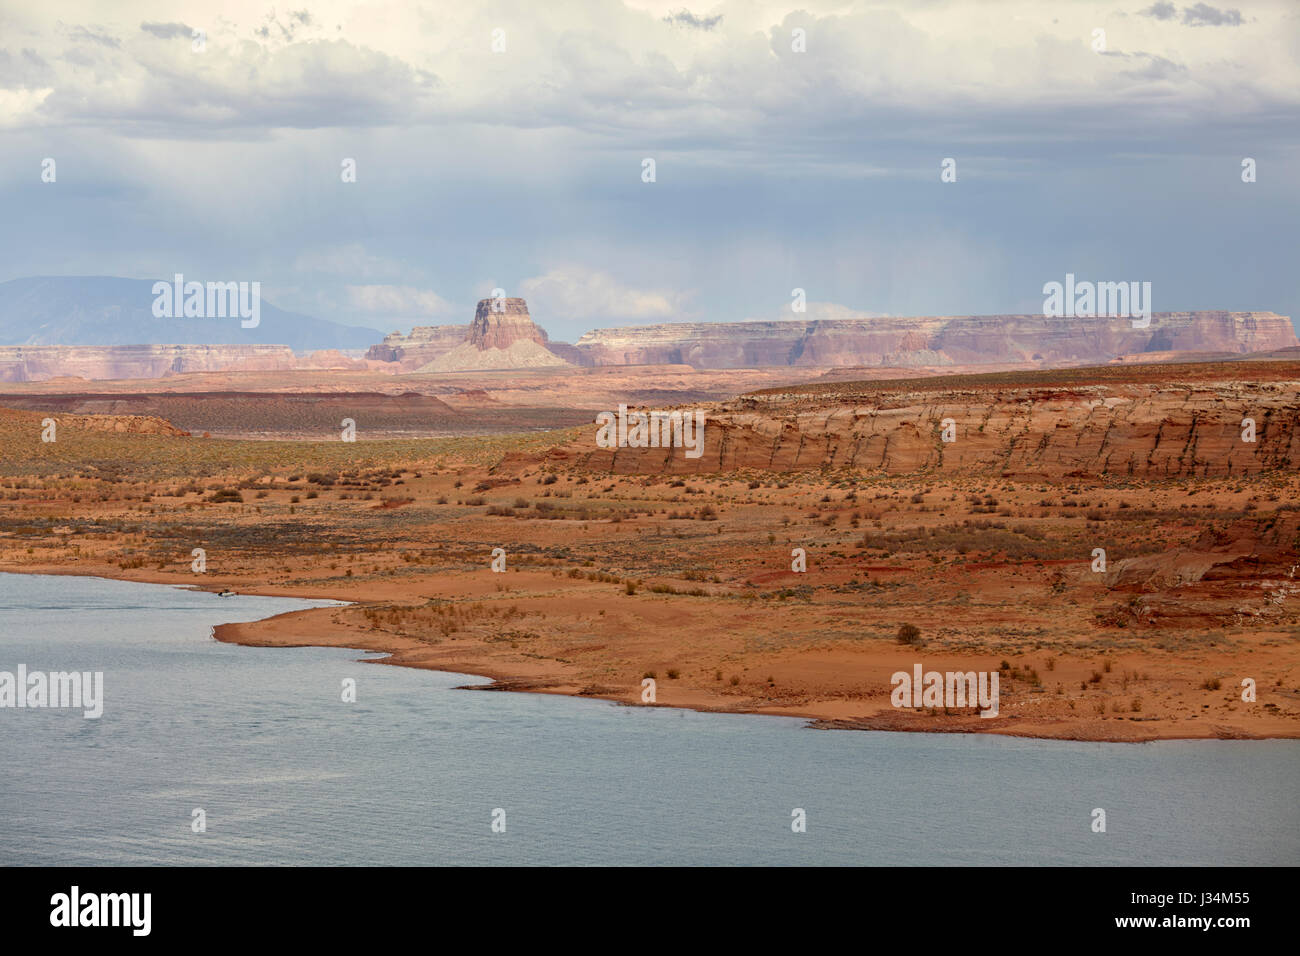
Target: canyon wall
x=510 y=339
x=933 y=341
x=34 y=363
x=1149 y=429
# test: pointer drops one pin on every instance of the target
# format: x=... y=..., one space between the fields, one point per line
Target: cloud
x=399 y=301
x=687 y=80
x=238 y=83
x=1201 y=15
x=274 y=28
x=26 y=70
x=168 y=31
x=1204 y=15
x=817 y=312
x=1156 y=68
x=476 y=165
x=576 y=293
x=347 y=261
x=20 y=107
x=82 y=34
x=1161 y=11
x=687 y=19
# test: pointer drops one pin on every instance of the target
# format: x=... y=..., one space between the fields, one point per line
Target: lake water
x=411 y=773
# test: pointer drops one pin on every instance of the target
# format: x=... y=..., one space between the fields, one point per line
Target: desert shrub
x=909 y=634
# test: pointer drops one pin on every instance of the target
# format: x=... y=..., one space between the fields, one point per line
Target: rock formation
x=423 y=345
x=1024 y=341
x=35 y=363
x=502 y=336
x=934 y=341
x=1136 y=425
x=509 y=339
x=122 y=424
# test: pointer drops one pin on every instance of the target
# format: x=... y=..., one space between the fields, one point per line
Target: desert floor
x=610 y=579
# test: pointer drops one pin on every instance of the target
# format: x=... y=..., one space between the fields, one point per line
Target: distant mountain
x=105 y=310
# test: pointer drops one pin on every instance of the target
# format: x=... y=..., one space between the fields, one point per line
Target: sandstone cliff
x=934 y=341
x=34 y=363
x=423 y=345
x=1189 y=423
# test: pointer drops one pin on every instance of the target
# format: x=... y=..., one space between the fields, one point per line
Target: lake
x=288 y=773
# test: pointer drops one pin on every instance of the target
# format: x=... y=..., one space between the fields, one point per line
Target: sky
x=502 y=145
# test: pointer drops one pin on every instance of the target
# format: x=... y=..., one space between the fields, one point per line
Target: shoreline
x=284 y=630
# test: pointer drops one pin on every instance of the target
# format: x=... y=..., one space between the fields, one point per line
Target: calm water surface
x=411 y=772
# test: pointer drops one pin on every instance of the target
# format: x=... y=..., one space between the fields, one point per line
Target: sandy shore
x=336 y=627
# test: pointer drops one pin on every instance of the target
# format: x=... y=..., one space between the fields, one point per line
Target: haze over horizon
x=775 y=169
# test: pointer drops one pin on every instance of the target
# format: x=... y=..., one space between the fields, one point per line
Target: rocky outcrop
x=35 y=363
x=499 y=323
x=122 y=424
x=1147 y=429
x=934 y=341
x=492 y=341
x=502 y=336
x=423 y=345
